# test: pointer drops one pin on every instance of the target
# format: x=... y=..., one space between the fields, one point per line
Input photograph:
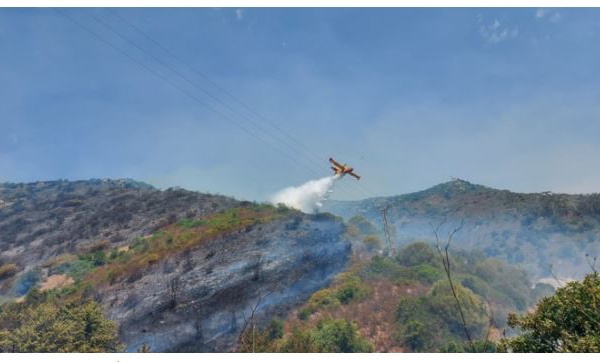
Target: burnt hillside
x=177 y=270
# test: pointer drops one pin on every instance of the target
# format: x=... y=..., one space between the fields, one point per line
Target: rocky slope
x=534 y=230
x=178 y=270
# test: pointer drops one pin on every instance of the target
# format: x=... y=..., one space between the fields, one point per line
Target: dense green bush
x=568 y=321
x=372 y=242
x=43 y=324
x=426 y=323
x=363 y=225
x=330 y=335
x=416 y=254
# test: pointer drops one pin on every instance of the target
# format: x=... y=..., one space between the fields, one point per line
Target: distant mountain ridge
x=534 y=230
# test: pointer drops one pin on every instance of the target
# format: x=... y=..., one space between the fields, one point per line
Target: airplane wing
x=355 y=175
x=336 y=163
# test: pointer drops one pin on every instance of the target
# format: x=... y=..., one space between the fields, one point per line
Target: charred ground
x=177 y=270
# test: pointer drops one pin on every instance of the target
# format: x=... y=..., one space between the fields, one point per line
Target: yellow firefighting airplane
x=340 y=169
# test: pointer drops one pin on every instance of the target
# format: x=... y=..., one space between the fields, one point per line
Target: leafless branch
x=592 y=263
x=445 y=257
x=487 y=335
x=250 y=322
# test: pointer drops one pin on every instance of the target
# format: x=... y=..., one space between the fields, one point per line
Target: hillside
x=532 y=230
x=177 y=270
x=181 y=271
x=404 y=304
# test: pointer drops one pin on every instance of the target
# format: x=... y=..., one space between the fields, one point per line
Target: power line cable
x=177 y=86
x=224 y=91
x=194 y=84
x=217 y=86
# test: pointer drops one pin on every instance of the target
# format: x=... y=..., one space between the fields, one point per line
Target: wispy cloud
x=239 y=14
x=555 y=18
x=494 y=32
x=551 y=15
x=540 y=13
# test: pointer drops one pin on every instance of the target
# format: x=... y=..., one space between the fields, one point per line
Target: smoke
x=307 y=197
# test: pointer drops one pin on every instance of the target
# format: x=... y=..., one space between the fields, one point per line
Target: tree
x=416 y=254
x=330 y=335
x=428 y=322
x=372 y=242
x=43 y=324
x=568 y=321
x=338 y=335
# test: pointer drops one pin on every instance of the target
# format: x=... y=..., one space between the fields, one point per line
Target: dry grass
x=57 y=281
x=375 y=315
x=175 y=239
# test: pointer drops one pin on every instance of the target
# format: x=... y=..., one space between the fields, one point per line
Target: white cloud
x=552 y=16
x=540 y=13
x=495 y=33
x=239 y=14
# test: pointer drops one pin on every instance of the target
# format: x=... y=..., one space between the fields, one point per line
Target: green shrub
x=77 y=269
x=323 y=298
x=330 y=335
x=417 y=254
x=352 y=288
x=339 y=336
x=45 y=324
x=427 y=273
x=567 y=321
x=383 y=267
x=190 y=223
x=363 y=225
x=443 y=303
x=140 y=245
x=476 y=285
x=304 y=313
x=372 y=242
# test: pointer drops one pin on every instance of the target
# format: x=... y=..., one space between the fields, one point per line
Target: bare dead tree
x=257 y=263
x=592 y=263
x=386 y=229
x=188 y=262
x=491 y=323
x=250 y=322
x=445 y=257
x=174 y=287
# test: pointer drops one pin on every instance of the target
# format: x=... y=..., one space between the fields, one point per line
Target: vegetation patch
x=568 y=321
x=44 y=322
x=405 y=303
x=171 y=240
x=56 y=281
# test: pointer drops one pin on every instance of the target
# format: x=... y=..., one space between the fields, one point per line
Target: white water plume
x=307 y=197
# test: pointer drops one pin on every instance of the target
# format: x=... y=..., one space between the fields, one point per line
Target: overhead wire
x=320 y=159
x=217 y=86
x=184 y=91
x=206 y=92
x=206 y=78
x=316 y=156
x=170 y=82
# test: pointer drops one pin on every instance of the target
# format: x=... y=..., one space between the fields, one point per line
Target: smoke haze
x=307 y=197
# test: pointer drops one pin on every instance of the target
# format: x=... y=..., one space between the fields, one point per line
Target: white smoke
x=307 y=197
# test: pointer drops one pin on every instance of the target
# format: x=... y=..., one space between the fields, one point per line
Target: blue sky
x=508 y=98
